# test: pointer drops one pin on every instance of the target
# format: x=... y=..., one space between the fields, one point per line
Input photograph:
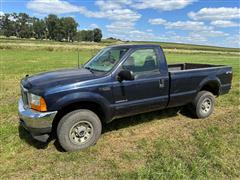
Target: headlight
x=37 y=102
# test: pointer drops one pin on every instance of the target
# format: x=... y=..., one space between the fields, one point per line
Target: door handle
x=161 y=83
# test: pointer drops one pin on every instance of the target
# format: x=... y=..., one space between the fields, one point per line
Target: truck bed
x=189 y=66
x=187 y=78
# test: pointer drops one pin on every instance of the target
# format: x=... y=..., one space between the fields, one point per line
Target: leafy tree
x=69 y=27
x=60 y=29
x=97 y=35
x=24 y=25
x=85 y=35
x=1 y=23
x=52 y=23
x=19 y=25
x=89 y=35
x=8 y=25
x=39 y=28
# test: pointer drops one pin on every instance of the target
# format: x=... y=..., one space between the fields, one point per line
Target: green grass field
x=159 y=145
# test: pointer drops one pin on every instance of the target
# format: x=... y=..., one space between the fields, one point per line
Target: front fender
x=76 y=97
x=81 y=96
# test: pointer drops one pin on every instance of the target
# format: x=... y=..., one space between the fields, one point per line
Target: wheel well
x=95 y=107
x=212 y=87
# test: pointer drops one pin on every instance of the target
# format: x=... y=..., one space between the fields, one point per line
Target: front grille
x=24 y=96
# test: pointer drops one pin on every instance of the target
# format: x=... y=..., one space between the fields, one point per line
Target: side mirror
x=125 y=75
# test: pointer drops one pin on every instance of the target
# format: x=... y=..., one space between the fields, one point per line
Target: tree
x=97 y=35
x=89 y=35
x=24 y=25
x=69 y=26
x=85 y=35
x=8 y=25
x=39 y=28
x=59 y=31
x=52 y=24
x=1 y=23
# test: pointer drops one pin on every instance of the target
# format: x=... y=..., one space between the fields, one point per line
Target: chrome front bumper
x=34 y=121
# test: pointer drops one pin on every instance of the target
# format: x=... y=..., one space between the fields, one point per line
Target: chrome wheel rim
x=206 y=105
x=81 y=132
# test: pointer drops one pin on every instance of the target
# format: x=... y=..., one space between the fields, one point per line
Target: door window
x=142 y=61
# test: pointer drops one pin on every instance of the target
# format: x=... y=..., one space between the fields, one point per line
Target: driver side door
x=148 y=91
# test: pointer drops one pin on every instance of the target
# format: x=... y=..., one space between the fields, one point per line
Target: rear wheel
x=79 y=129
x=203 y=104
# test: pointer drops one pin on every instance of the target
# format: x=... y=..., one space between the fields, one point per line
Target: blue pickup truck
x=119 y=81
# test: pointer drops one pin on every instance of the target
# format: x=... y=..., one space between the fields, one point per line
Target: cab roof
x=137 y=46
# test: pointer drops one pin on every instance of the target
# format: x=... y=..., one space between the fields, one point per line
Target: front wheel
x=79 y=129
x=203 y=104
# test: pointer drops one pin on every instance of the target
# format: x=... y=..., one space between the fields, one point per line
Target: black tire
x=80 y=122
x=203 y=104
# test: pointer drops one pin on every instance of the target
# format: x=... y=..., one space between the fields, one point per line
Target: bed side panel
x=185 y=84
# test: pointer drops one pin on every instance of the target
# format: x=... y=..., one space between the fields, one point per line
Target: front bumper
x=39 y=124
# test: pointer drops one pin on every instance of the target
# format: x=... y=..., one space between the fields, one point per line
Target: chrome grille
x=24 y=96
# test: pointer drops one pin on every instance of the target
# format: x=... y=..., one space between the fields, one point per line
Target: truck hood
x=56 y=78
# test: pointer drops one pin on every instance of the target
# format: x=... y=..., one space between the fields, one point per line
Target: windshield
x=106 y=59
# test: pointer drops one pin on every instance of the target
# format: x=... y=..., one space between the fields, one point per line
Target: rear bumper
x=37 y=123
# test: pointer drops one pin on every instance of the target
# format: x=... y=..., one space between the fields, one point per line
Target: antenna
x=78 y=58
x=93 y=52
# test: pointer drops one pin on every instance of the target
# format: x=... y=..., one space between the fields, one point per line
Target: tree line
x=51 y=27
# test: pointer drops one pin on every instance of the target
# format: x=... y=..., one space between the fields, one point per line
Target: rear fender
x=210 y=80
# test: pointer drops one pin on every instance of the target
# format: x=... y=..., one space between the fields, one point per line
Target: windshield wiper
x=90 y=69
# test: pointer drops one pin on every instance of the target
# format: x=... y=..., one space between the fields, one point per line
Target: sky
x=206 y=22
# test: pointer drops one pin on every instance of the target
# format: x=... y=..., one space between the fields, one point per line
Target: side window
x=142 y=61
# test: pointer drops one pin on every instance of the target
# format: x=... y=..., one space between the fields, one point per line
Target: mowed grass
x=165 y=144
